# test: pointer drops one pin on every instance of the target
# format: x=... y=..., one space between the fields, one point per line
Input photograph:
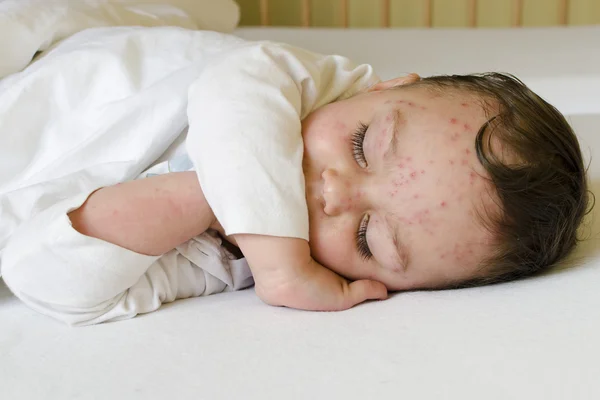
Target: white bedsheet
x=534 y=339
x=560 y=64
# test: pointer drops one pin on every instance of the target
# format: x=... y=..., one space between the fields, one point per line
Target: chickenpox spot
x=422 y=172
x=426 y=211
x=423 y=108
x=464 y=162
x=467 y=127
x=467 y=151
x=443 y=204
x=453 y=120
x=401 y=165
x=388 y=118
x=411 y=104
x=409 y=159
x=413 y=175
x=340 y=125
x=400 y=101
x=451 y=162
x=472 y=177
x=464 y=105
x=416 y=196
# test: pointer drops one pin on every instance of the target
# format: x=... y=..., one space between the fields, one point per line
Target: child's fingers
x=363 y=290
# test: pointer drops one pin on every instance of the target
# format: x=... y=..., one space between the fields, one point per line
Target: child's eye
x=358 y=140
x=361 y=239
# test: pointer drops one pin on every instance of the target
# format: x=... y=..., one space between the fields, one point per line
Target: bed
x=532 y=339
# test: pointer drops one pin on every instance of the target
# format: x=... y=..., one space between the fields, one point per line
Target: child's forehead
x=444 y=96
x=432 y=107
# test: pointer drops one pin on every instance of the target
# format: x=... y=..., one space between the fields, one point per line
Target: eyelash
x=358 y=140
x=361 y=239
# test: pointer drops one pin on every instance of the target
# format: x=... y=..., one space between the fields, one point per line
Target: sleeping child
x=301 y=173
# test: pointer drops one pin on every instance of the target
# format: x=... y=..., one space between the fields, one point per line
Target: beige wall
x=405 y=13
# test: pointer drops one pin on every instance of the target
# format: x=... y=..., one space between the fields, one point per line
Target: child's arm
x=149 y=216
x=153 y=215
x=285 y=274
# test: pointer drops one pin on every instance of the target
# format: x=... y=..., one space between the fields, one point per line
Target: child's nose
x=339 y=193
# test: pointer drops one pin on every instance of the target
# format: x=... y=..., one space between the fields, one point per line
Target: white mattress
x=534 y=339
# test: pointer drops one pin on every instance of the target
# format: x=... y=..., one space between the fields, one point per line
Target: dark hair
x=541 y=186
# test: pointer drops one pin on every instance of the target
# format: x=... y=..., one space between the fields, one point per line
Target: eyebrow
x=402 y=254
x=398 y=118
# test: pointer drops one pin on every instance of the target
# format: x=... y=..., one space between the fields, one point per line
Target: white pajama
x=120 y=103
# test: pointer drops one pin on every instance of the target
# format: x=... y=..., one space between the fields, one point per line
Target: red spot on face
x=340 y=125
x=443 y=204
x=443 y=256
x=464 y=104
x=416 y=196
x=409 y=159
x=451 y=162
x=400 y=101
x=401 y=165
x=472 y=177
x=426 y=211
x=467 y=151
x=453 y=120
x=467 y=127
x=422 y=171
x=411 y=104
x=464 y=162
x=413 y=175
x=423 y=108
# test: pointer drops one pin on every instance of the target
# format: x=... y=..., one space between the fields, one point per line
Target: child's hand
x=285 y=274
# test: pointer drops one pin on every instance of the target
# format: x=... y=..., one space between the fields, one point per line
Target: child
x=305 y=162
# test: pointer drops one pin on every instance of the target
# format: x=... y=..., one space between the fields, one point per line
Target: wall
x=409 y=13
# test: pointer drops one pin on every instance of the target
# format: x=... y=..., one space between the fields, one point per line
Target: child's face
x=415 y=194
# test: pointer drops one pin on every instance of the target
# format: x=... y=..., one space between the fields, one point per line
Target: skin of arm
x=154 y=215
x=149 y=216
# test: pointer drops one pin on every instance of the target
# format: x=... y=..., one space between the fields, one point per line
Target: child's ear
x=403 y=80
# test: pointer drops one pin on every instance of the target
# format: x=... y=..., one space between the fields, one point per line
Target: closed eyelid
x=402 y=255
x=397 y=121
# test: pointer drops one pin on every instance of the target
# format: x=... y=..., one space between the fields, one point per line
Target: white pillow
x=29 y=26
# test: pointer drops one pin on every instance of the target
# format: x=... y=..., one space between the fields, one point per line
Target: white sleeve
x=245 y=141
x=81 y=280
